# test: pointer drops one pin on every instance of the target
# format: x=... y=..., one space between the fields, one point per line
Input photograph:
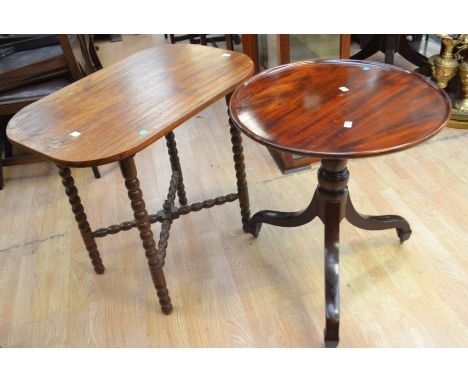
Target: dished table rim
x=338 y=155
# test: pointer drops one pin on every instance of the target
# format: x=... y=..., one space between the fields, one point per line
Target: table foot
x=155 y=262
x=160 y=284
x=330 y=342
x=378 y=222
x=403 y=234
x=81 y=219
x=175 y=166
x=254 y=228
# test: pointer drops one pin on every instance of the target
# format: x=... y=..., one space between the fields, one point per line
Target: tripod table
x=337 y=110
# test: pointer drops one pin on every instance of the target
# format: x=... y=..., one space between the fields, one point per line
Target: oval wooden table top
x=339 y=108
x=119 y=110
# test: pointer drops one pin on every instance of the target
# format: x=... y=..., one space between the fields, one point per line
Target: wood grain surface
x=300 y=108
x=122 y=109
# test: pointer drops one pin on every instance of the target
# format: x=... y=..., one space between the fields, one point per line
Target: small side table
x=337 y=110
x=113 y=114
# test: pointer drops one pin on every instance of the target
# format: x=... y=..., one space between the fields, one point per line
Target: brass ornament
x=462 y=104
x=444 y=67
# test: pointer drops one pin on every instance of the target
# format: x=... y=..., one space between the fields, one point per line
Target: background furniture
x=288 y=162
x=337 y=110
x=204 y=39
x=449 y=69
x=391 y=44
x=31 y=74
x=140 y=106
x=110 y=37
x=31 y=59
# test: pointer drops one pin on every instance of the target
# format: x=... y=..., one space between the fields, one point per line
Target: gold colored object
x=462 y=104
x=444 y=67
x=453 y=123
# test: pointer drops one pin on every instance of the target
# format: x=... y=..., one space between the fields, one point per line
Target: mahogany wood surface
x=299 y=108
x=122 y=109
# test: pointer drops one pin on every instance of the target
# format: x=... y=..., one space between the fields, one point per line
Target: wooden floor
x=229 y=289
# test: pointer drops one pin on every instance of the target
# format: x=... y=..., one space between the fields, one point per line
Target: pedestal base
x=331 y=203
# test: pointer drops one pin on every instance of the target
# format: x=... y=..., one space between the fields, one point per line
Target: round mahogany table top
x=339 y=108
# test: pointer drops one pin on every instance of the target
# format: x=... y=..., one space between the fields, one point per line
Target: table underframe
x=331 y=203
x=156 y=254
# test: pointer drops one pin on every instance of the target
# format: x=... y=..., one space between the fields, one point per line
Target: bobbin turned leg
x=239 y=166
x=155 y=262
x=332 y=195
x=378 y=222
x=81 y=219
x=175 y=166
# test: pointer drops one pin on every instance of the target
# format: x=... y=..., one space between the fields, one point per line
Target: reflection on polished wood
x=300 y=108
x=227 y=288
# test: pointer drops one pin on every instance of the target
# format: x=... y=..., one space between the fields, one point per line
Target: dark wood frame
x=331 y=203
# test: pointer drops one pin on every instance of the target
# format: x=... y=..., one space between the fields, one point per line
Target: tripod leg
x=378 y=222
